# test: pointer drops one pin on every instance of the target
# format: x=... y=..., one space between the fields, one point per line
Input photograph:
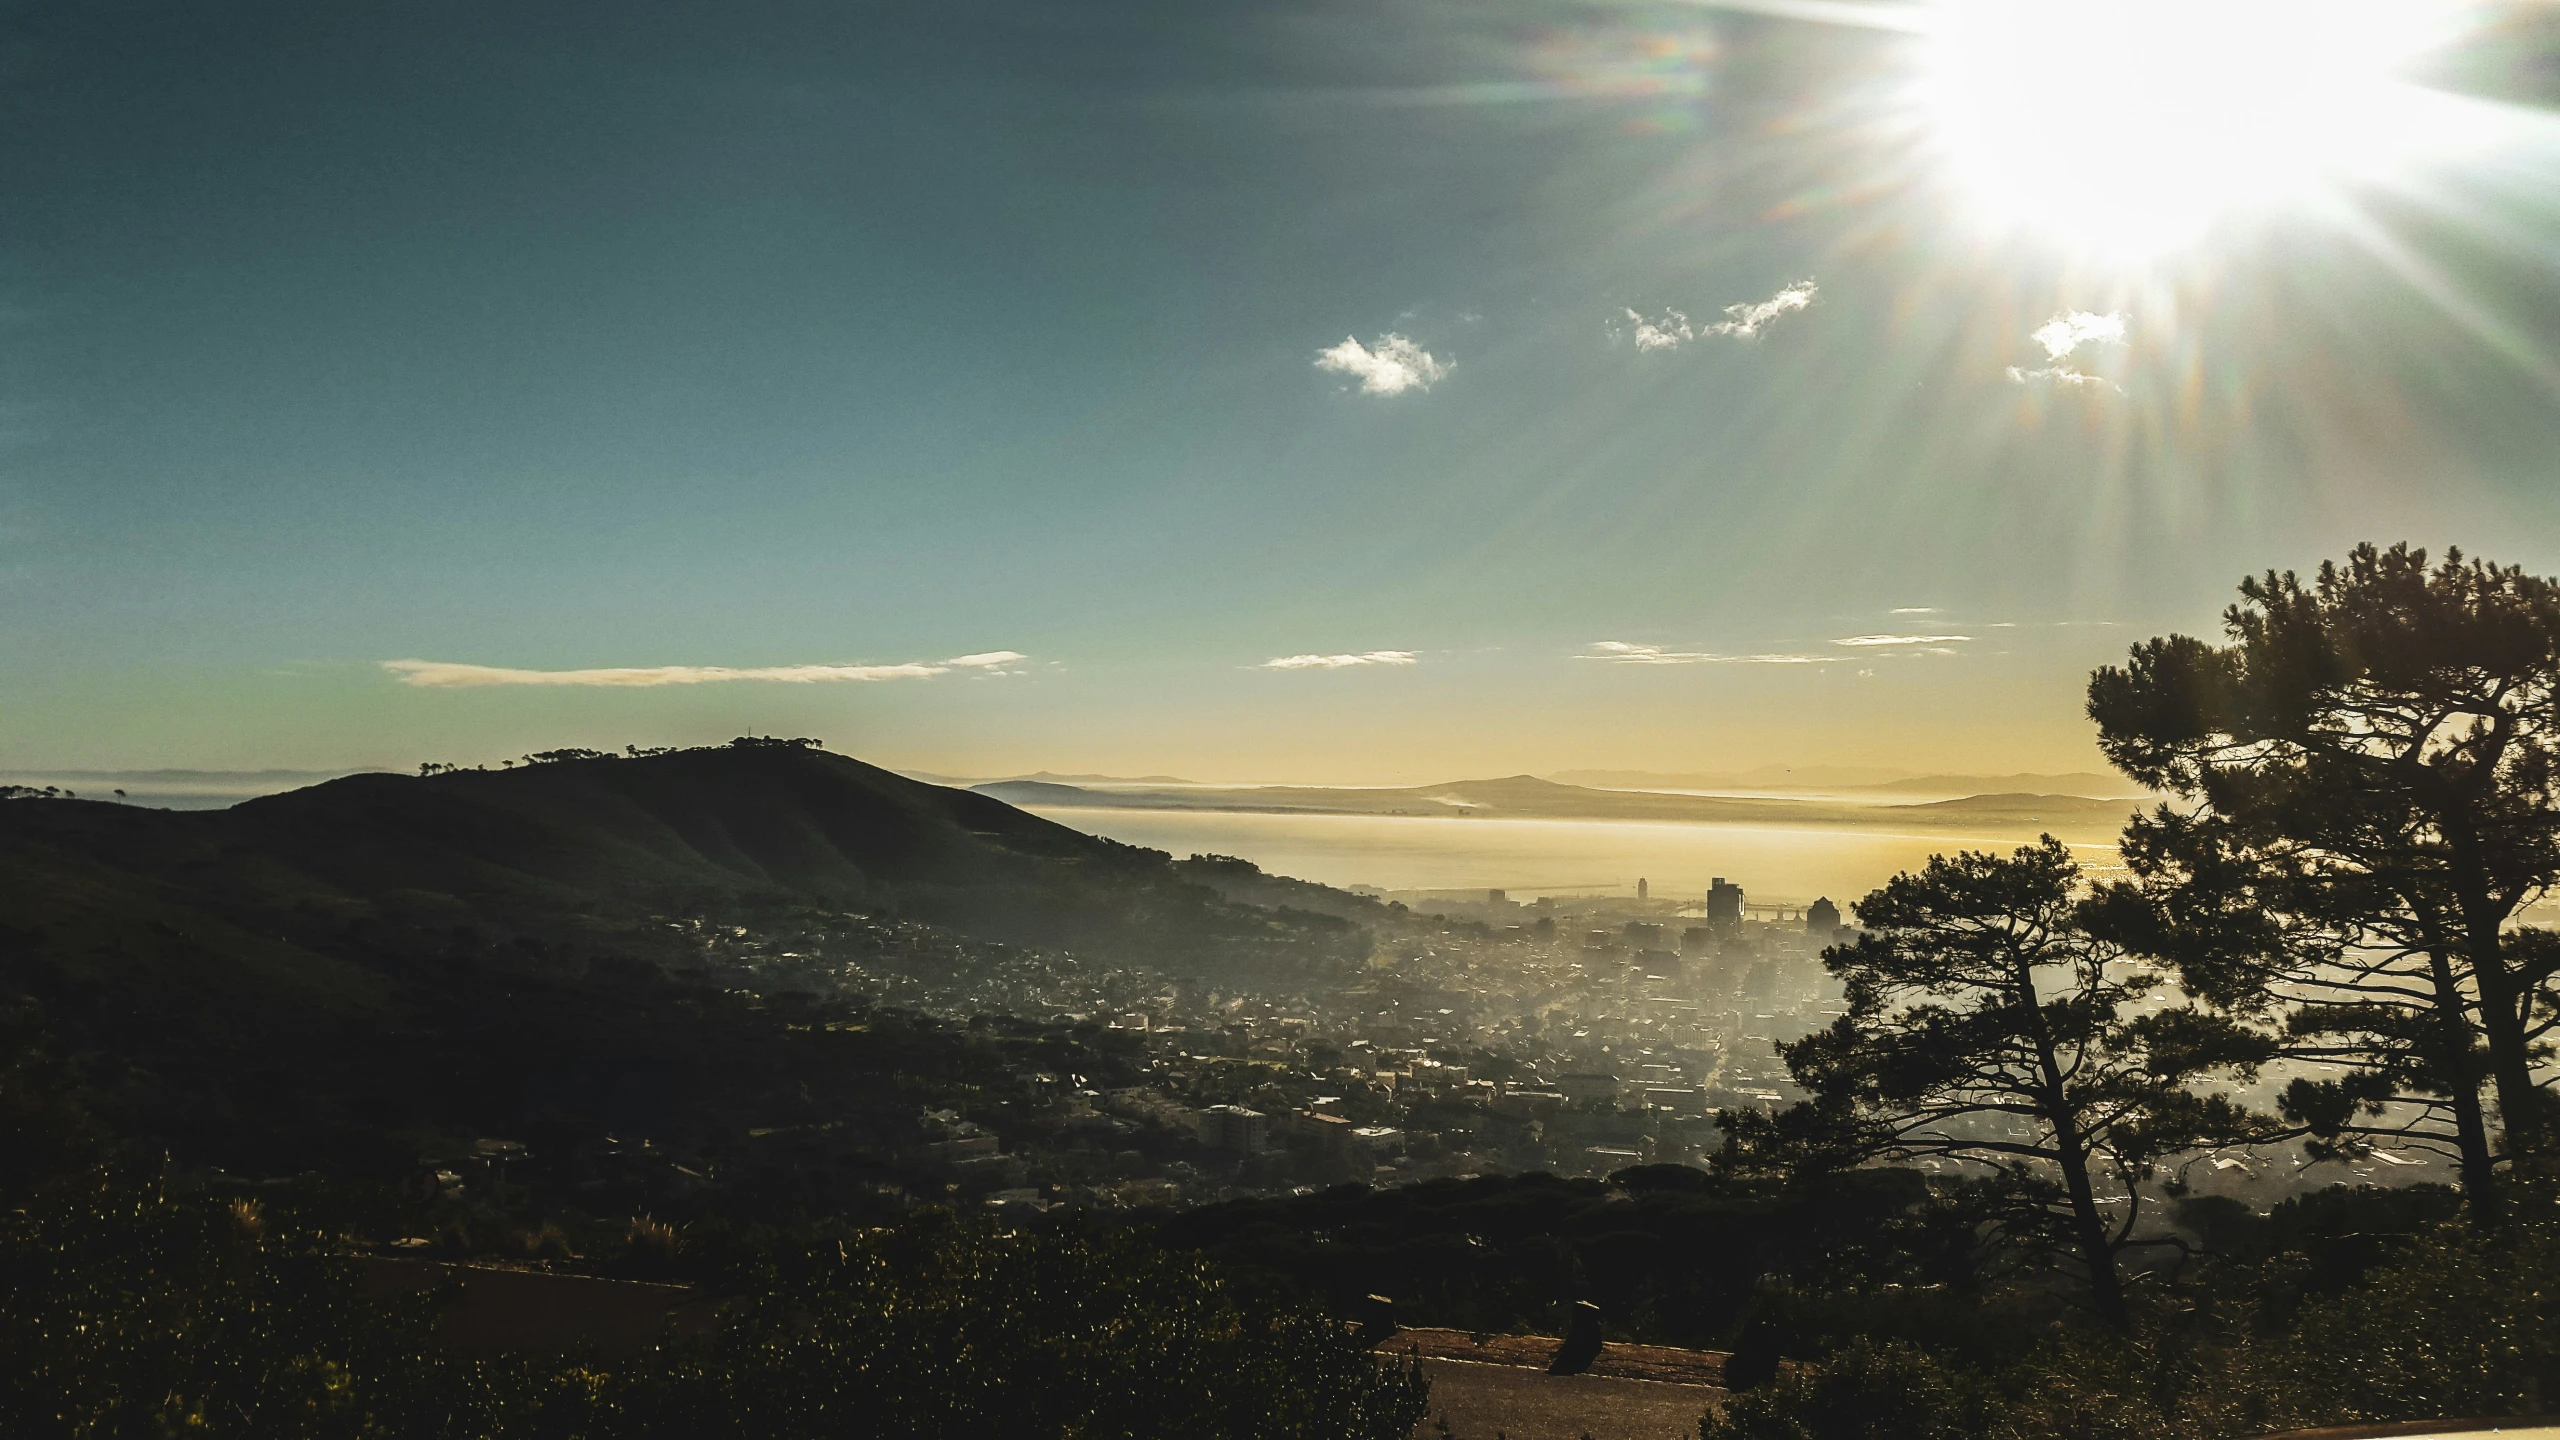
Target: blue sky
x=549 y=337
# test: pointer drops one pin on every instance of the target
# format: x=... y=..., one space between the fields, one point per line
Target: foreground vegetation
x=130 y=1308
x=2460 y=1323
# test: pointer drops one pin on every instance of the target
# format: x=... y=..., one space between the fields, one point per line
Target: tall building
x=1234 y=1129
x=1643 y=890
x=1821 y=917
x=1724 y=905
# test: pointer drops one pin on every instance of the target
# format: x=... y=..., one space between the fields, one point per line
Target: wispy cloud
x=2062 y=375
x=446 y=674
x=1389 y=365
x=1745 y=321
x=1672 y=328
x=1341 y=662
x=1914 y=610
x=1863 y=642
x=1620 y=652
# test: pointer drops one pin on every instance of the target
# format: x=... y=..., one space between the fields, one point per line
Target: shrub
x=128 y=1308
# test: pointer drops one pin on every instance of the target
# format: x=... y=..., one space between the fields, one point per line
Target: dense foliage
x=1671 y=1255
x=1990 y=1020
x=2369 y=786
x=128 y=1308
x=2459 y=1322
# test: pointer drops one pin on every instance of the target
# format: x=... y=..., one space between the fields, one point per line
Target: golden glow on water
x=1773 y=863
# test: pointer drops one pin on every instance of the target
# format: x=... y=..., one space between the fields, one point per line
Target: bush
x=1863 y=1391
x=2460 y=1322
x=2462 y=1325
x=131 y=1309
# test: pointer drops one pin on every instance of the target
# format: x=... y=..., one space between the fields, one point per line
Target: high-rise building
x=1724 y=905
x=1821 y=917
x=1643 y=890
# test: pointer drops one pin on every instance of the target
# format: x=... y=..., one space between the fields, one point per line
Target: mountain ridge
x=332 y=970
x=1534 y=797
x=573 y=852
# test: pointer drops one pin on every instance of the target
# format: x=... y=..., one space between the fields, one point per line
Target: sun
x=2133 y=126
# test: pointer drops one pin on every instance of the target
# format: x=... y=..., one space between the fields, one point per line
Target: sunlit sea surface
x=1772 y=863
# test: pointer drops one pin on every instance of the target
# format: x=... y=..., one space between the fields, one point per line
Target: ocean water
x=1775 y=864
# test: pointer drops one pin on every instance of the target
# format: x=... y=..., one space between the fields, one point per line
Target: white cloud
x=1746 y=321
x=2063 y=335
x=1871 y=641
x=1620 y=652
x=1672 y=328
x=1341 y=662
x=1666 y=333
x=1914 y=610
x=2068 y=332
x=446 y=674
x=1394 y=366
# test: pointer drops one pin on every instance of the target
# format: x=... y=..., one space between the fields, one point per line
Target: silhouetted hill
x=1043 y=792
x=1245 y=883
x=2055 y=809
x=487 y=943
x=547 y=847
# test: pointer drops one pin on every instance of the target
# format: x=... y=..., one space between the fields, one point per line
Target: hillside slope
x=551 y=847
x=476 y=943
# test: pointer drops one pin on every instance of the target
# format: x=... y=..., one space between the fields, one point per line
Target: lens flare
x=2136 y=125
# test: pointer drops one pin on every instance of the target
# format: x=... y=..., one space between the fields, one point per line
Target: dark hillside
x=555 y=848
x=475 y=948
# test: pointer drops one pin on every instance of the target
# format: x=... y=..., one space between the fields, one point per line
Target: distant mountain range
x=1050 y=777
x=175 y=789
x=1854 y=780
x=1528 y=797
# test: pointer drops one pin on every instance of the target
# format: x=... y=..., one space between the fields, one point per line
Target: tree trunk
x=2521 y=1107
x=2106 y=1288
x=2071 y=1154
x=2470 y=1127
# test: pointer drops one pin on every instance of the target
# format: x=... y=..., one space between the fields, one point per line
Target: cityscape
x=1576 y=1035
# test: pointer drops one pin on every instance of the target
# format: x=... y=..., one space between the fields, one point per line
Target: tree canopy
x=1991 y=1019
x=2369 y=778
